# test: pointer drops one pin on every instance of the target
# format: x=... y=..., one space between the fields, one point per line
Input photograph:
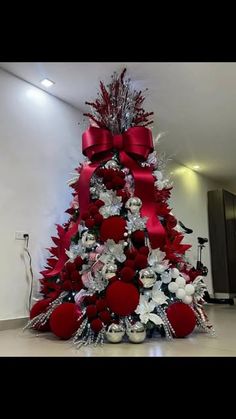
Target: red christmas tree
x=118 y=266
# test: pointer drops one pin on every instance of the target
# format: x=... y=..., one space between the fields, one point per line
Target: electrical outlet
x=19 y=235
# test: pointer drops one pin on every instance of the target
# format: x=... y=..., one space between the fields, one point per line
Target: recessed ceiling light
x=47 y=82
x=196 y=167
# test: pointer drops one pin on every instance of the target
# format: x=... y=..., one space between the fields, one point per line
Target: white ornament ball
x=174 y=273
x=180 y=281
x=187 y=299
x=189 y=289
x=180 y=293
x=172 y=287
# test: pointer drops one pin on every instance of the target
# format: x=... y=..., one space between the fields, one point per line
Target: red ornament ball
x=96 y=325
x=63 y=320
x=75 y=276
x=113 y=228
x=98 y=218
x=105 y=317
x=93 y=209
x=138 y=237
x=70 y=267
x=91 y=311
x=122 y=298
x=127 y=274
x=144 y=250
x=140 y=261
x=38 y=308
x=129 y=263
x=131 y=254
x=90 y=223
x=67 y=285
x=101 y=305
x=78 y=262
x=90 y=299
x=118 y=182
x=181 y=318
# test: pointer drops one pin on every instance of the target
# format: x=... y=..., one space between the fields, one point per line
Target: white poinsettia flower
x=156 y=256
x=157 y=262
x=158 y=296
x=113 y=250
x=145 y=309
x=112 y=204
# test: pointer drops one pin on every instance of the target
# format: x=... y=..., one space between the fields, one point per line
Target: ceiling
x=194 y=104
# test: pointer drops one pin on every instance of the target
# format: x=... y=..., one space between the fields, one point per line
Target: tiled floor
x=18 y=343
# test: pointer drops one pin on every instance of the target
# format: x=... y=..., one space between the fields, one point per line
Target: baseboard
x=13 y=323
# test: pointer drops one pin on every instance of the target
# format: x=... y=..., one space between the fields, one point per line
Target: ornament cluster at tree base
x=118 y=271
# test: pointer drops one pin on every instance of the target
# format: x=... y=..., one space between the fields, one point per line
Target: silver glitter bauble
x=134 y=205
x=109 y=270
x=111 y=164
x=136 y=333
x=115 y=333
x=88 y=240
x=147 y=277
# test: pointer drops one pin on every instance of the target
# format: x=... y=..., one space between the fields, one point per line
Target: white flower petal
x=155 y=319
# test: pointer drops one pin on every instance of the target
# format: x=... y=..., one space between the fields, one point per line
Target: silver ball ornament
x=147 y=277
x=136 y=333
x=115 y=333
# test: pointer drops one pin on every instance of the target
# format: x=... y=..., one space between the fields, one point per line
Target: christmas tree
x=118 y=269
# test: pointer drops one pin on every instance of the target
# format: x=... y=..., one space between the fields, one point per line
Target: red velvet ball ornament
x=105 y=317
x=131 y=254
x=96 y=325
x=38 y=308
x=63 y=320
x=98 y=218
x=138 y=237
x=91 y=311
x=118 y=182
x=140 y=261
x=90 y=223
x=129 y=263
x=181 y=318
x=113 y=228
x=127 y=274
x=99 y=203
x=122 y=298
x=108 y=174
x=144 y=250
x=75 y=276
x=70 y=267
x=109 y=185
x=101 y=304
x=90 y=299
x=85 y=215
x=67 y=286
x=93 y=210
x=78 y=262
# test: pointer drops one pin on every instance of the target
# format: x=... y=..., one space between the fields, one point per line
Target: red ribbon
x=99 y=145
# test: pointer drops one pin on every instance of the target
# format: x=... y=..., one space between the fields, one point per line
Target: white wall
x=40 y=144
x=189 y=203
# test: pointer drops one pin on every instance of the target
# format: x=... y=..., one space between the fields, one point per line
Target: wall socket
x=19 y=235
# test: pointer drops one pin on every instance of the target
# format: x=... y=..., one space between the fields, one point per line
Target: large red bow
x=99 y=145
